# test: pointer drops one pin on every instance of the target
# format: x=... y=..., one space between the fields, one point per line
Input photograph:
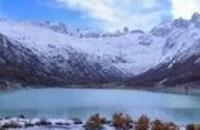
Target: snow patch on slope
x=128 y=52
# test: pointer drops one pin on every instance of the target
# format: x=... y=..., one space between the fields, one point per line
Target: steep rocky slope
x=53 y=54
x=181 y=63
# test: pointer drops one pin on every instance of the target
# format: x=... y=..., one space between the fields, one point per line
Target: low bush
x=122 y=122
x=158 y=125
x=190 y=127
x=193 y=127
x=95 y=122
x=143 y=123
x=172 y=126
x=11 y=125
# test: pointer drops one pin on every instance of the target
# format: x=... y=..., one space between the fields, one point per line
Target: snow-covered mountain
x=50 y=53
x=181 y=60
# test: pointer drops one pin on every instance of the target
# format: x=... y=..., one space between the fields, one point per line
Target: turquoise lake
x=81 y=103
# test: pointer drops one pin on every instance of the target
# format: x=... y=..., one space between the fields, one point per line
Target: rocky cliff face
x=182 y=63
x=52 y=54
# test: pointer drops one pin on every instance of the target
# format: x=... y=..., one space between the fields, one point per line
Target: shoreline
x=179 y=90
x=22 y=123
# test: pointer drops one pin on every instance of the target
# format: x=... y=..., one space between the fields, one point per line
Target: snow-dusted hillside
x=124 y=51
x=181 y=61
x=50 y=53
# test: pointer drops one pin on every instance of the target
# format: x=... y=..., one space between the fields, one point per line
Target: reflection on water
x=67 y=103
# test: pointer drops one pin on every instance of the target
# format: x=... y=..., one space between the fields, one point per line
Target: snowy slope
x=55 y=53
x=130 y=48
x=181 y=61
x=123 y=54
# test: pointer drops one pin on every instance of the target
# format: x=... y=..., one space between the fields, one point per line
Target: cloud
x=116 y=14
x=184 y=8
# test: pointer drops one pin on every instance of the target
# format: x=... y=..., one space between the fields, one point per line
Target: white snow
x=132 y=53
x=137 y=57
x=71 y=125
x=22 y=122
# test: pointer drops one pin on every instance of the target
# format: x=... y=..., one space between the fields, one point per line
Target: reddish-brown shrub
x=95 y=122
x=120 y=121
x=143 y=123
x=158 y=125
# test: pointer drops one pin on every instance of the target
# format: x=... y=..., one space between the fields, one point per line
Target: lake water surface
x=81 y=103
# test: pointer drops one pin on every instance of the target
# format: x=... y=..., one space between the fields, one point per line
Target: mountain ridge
x=52 y=54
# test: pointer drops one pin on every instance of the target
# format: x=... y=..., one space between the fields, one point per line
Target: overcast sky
x=100 y=14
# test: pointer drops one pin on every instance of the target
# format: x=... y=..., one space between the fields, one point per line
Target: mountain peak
x=181 y=23
x=196 y=19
